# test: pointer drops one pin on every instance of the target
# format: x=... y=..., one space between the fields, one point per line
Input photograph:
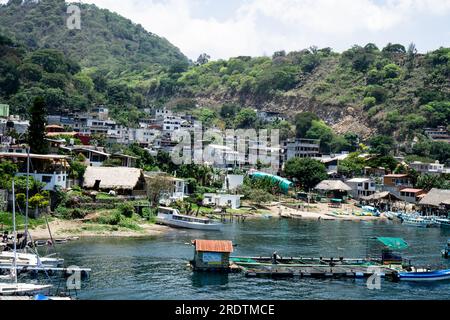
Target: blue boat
x=425 y=275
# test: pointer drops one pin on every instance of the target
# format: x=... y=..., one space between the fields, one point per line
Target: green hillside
x=366 y=90
x=105 y=39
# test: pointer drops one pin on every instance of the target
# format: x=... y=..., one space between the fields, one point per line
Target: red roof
x=213 y=246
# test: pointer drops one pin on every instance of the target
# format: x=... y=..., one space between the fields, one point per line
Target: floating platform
x=317 y=272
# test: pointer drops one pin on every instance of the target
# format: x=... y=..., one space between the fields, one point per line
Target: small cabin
x=212 y=255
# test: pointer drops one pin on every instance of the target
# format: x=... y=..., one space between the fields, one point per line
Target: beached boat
x=425 y=275
x=172 y=217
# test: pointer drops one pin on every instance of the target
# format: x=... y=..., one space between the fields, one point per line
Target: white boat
x=15 y=288
x=21 y=288
x=443 y=223
x=172 y=217
x=417 y=221
x=29 y=260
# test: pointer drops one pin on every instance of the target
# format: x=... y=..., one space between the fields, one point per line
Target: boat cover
x=393 y=243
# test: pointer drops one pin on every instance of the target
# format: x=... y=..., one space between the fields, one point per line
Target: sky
x=228 y=28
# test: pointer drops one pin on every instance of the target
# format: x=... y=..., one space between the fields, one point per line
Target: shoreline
x=66 y=229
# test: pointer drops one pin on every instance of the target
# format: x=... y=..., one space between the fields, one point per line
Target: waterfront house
x=212 y=255
x=122 y=180
x=394 y=183
x=333 y=189
x=436 y=202
x=232 y=201
x=412 y=195
x=52 y=170
x=361 y=187
x=385 y=201
x=179 y=191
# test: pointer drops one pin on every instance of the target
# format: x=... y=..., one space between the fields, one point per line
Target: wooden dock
x=317 y=272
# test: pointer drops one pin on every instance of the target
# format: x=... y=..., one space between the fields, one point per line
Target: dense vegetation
x=108 y=61
x=394 y=90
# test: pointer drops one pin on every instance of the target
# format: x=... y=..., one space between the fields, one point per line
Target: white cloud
x=264 y=26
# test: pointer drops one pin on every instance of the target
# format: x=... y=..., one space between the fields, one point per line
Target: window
x=47 y=179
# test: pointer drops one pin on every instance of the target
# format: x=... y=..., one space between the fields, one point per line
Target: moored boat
x=417 y=222
x=424 y=275
x=172 y=217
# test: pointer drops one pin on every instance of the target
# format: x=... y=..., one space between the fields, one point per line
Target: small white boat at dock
x=172 y=217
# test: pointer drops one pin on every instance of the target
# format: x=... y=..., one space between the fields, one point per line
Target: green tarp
x=284 y=184
x=393 y=243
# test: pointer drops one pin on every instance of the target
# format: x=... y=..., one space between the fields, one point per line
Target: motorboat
x=172 y=217
x=7 y=289
x=417 y=221
x=424 y=275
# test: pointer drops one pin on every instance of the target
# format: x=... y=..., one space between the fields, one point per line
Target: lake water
x=157 y=269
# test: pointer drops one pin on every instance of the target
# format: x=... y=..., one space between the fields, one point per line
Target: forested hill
x=105 y=39
x=366 y=90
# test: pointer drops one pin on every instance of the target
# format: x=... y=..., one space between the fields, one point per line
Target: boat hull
x=440 y=275
x=189 y=225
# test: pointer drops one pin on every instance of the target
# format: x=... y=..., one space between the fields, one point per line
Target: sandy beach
x=321 y=211
x=62 y=229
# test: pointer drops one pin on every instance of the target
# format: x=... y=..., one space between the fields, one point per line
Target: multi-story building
x=302 y=148
x=394 y=183
x=428 y=168
x=362 y=187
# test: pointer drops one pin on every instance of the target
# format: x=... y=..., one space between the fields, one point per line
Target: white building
x=361 y=187
x=222 y=200
x=429 y=168
x=233 y=181
x=51 y=180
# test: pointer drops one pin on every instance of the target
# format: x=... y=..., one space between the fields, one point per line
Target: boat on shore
x=424 y=275
x=171 y=217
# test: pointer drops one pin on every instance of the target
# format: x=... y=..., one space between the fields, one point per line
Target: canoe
x=437 y=275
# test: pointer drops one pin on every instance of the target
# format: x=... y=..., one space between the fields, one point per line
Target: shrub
x=126 y=209
x=369 y=102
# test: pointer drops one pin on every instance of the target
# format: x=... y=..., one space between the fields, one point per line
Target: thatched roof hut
x=333 y=185
x=121 y=179
x=436 y=198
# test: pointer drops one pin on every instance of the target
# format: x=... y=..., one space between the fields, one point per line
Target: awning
x=393 y=243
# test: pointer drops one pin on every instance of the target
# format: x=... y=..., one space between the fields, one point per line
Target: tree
x=203 y=59
x=382 y=145
x=246 y=119
x=428 y=182
x=308 y=172
x=36 y=131
x=303 y=122
x=157 y=187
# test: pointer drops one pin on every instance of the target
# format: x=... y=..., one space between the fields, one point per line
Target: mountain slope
x=105 y=40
